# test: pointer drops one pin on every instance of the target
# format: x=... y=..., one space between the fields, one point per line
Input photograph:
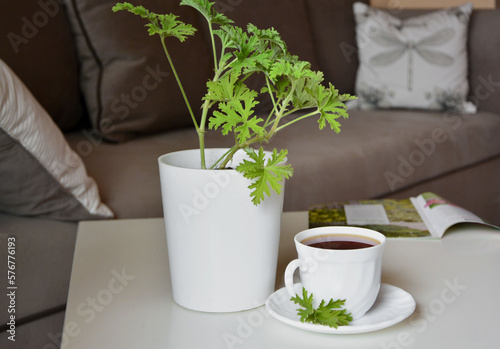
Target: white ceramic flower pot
x=222 y=248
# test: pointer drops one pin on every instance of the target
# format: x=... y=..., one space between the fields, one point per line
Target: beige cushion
x=419 y=62
x=376 y=153
x=40 y=174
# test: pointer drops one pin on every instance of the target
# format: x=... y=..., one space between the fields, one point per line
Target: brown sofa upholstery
x=38 y=42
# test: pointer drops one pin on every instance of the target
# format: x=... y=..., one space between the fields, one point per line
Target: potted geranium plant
x=222 y=235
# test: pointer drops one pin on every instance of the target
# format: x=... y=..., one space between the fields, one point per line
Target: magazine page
x=439 y=214
x=393 y=218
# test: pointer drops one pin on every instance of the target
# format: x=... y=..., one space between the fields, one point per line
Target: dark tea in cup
x=340 y=242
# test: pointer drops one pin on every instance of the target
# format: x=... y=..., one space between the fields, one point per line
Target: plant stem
x=279 y=114
x=179 y=82
x=270 y=91
x=200 y=129
x=275 y=108
x=257 y=139
x=296 y=119
x=214 y=165
x=201 y=132
x=213 y=45
x=228 y=155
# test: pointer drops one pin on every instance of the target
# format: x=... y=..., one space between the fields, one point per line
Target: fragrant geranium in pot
x=222 y=207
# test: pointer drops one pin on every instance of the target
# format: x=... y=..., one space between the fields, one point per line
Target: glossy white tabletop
x=120 y=295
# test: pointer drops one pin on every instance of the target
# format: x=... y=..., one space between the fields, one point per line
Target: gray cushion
x=126 y=79
x=40 y=174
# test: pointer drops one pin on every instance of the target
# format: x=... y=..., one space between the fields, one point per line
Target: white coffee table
x=120 y=295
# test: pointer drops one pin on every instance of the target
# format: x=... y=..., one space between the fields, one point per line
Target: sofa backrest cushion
x=484 y=60
x=119 y=58
x=36 y=42
x=335 y=41
x=128 y=84
x=289 y=17
x=334 y=34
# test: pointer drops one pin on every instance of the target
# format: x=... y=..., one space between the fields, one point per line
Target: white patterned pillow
x=39 y=173
x=419 y=62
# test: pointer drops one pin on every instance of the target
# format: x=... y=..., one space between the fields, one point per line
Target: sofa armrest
x=484 y=52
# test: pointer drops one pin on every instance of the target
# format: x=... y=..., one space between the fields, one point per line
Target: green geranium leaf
x=330 y=105
x=330 y=314
x=237 y=116
x=205 y=7
x=164 y=25
x=229 y=88
x=267 y=175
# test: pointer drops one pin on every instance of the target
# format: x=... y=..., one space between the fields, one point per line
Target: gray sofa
x=44 y=43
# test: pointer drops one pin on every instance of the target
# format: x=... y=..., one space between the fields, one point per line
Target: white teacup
x=350 y=274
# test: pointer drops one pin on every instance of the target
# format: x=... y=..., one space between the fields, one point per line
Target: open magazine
x=427 y=215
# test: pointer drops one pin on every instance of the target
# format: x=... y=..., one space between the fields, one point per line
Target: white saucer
x=393 y=305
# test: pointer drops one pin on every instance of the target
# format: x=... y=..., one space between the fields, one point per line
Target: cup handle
x=289 y=271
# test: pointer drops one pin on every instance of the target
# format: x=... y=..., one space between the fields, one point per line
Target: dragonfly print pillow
x=420 y=62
